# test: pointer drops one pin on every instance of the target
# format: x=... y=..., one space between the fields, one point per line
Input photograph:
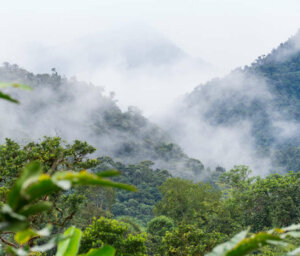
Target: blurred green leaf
x=108 y=173
x=15 y=85
x=222 y=249
x=6 y=210
x=106 y=250
x=14 y=198
x=295 y=252
x=254 y=242
x=35 y=208
x=40 y=187
x=240 y=245
x=292 y=227
x=13 y=225
x=86 y=178
x=7 y=97
x=69 y=246
x=24 y=236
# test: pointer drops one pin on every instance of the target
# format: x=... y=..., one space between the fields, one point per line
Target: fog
x=152 y=55
x=231 y=142
x=136 y=62
x=219 y=120
x=137 y=65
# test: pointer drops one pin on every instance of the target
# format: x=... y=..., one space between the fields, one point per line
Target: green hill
x=75 y=110
x=263 y=97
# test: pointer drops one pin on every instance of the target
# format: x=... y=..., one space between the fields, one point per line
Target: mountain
x=129 y=47
x=251 y=116
x=63 y=107
x=131 y=60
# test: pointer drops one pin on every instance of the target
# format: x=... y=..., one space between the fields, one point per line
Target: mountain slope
x=63 y=107
x=251 y=116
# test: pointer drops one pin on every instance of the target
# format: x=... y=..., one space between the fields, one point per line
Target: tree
x=55 y=155
x=189 y=240
x=160 y=225
x=262 y=202
x=156 y=230
x=115 y=233
x=28 y=197
x=188 y=202
x=146 y=179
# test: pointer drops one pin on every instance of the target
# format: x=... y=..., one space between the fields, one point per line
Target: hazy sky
x=226 y=33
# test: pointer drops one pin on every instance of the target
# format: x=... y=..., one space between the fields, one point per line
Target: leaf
x=44 y=247
x=40 y=187
x=35 y=209
x=17 y=251
x=240 y=245
x=64 y=184
x=13 y=225
x=295 y=252
x=15 y=85
x=12 y=221
x=86 y=178
x=292 y=228
x=108 y=173
x=7 y=97
x=106 y=250
x=49 y=245
x=6 y=210
x=14 y=198
x=222 y=249
x=70 y=246
x=254 y=242
x=24 y=236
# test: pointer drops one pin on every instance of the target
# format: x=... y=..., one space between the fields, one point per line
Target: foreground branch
x=8 y=243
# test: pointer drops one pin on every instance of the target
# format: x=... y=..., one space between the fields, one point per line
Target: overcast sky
x=226 y=33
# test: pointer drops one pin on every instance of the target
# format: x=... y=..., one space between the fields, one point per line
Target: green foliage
x=69 y=246
x=29 y=197
x=262 y=202
x=160 y=225
x=189 y=240
x=189 y=202
x=115 y=233
x=56 y=155
x=241 y=245
x=147 y=180
x=156 y=230
x=70 y=243
x=52 y=152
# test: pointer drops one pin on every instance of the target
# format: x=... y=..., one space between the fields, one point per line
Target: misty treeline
x=250 y=116
x=75 y=110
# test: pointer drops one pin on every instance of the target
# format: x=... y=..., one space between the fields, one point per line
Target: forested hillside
x=255 y=108
x=63 y=107
x=164 y=216
x=77 y=173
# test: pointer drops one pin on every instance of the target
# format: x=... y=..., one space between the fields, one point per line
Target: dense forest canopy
x=166 y=216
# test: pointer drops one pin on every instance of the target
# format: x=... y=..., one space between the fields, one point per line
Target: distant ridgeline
x=63 y=107
x=264 y=95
